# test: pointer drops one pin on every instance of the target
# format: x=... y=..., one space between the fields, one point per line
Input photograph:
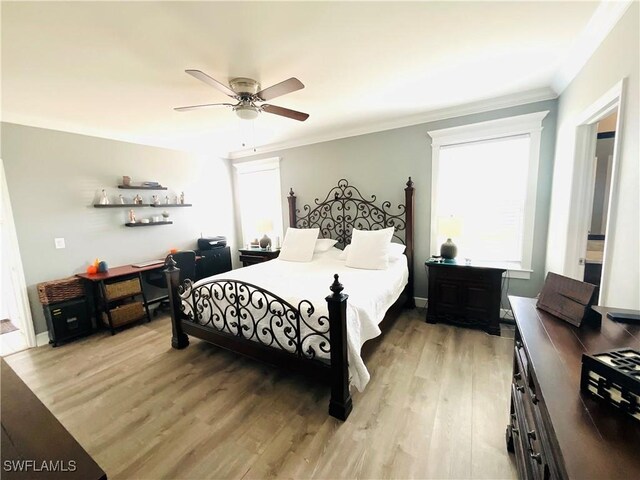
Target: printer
x=211 y=243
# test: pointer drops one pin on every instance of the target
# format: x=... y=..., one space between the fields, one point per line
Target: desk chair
x=186 y=262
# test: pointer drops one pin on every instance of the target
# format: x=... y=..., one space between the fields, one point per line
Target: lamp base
x=265 y=242
x=448 y=250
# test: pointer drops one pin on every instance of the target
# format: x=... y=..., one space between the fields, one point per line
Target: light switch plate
x=59 y=242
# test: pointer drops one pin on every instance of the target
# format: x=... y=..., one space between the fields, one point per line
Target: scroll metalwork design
x=247 y=311
x=345 y=208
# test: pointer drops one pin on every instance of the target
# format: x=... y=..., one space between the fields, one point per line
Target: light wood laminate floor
x=436 y=407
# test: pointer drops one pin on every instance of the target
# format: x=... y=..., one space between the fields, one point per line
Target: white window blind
x=481 y=198
x=260 y=200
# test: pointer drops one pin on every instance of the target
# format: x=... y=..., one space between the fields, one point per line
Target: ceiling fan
x=247 y=92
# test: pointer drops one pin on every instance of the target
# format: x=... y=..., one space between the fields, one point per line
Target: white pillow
x=370 y=249
x=298 y=244
x=324 y=244
x=396 y=251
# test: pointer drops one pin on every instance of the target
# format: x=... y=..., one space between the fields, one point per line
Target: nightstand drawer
x=252 y=256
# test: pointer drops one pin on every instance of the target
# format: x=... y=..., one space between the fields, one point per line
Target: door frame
x=582 y=191
x=14 y=264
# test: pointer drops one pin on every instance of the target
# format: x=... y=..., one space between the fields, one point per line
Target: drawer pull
x=520 y=388
x=536 y=456
x=531 y=434
x=534 y=399
x=517 y=376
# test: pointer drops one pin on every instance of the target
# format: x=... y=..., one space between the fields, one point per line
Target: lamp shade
x=449 y=227
x=265 y=225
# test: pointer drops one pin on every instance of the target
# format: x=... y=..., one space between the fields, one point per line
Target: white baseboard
x=42 y=339
x=420 y=302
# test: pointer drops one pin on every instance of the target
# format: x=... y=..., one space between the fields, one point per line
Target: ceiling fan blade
x=193 y=107
x=279 y=89
x=203 y=77
x=285 y=112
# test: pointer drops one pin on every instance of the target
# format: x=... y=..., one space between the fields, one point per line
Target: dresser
x=465 y=295
x=554 y=430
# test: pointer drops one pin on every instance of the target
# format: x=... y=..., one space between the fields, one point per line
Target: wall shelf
x=162 y=205
x=122 y=205
x=140 y=187
x=140 y=205
x=150 y=224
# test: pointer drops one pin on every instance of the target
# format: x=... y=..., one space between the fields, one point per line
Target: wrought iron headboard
x=345 y=208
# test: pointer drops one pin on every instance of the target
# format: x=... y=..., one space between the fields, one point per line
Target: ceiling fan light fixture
x=246 y=112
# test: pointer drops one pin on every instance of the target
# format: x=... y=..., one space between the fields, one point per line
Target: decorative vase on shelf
x=104 y=200
x=448 y=250
x=165 y=214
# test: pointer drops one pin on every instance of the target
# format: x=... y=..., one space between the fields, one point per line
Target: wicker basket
x=124 y=314
x=123 y=289
x=60 y=290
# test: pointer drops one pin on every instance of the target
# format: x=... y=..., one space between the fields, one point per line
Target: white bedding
x=371 y=293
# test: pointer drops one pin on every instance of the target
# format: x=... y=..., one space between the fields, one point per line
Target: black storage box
x=209 y=243
x=67 y=320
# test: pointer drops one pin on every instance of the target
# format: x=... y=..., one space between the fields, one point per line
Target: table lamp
x=266 y=226
x=450 y=227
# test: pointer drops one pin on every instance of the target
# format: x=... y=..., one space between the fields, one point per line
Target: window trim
x=530 y=124
x=262 y=165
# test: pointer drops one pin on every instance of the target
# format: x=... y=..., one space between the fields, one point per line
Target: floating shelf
x=162 y=205
x=140 y=205
x=150 y=224
x=122 y=205
x=140 y=187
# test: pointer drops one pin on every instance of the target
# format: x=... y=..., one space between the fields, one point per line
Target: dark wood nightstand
x=251 y=256
x=465 y=295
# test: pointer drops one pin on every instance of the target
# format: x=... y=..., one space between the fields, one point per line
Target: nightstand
x=465 y=295
x=251 y=256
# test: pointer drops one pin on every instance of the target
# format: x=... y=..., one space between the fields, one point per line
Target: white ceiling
x=116 y=69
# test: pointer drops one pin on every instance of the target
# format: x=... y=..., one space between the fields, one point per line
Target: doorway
x=603 y=164
x=594 y=190
x=16 y=325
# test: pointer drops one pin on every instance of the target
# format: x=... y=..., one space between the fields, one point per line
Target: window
x=484 y=190
x=260 y=200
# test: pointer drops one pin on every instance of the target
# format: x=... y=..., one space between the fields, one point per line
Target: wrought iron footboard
x=247 y=311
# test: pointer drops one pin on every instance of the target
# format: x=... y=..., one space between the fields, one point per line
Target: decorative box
x=613 y=377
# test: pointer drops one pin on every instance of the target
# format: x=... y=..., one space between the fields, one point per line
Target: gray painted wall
x=54 y=178
x=379 y=163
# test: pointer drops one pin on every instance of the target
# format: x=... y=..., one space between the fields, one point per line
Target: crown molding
x=496 y=103
x=604 y=18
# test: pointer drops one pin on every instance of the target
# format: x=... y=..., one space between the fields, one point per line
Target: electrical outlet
x=59 y=242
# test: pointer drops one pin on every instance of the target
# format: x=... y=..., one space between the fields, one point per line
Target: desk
x=103 y=298
x=31 y=433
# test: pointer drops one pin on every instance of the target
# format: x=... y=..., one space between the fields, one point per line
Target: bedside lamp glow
x=265 y=226
x=450 y=227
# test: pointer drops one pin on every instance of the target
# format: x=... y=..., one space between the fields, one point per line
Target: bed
x=278 y=311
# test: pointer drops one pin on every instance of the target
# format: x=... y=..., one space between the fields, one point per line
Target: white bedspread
x=371 y=293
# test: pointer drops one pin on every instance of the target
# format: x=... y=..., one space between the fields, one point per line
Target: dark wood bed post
x=179 y=339
x=409 y=204
x=292 y=208
x=340 y=404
